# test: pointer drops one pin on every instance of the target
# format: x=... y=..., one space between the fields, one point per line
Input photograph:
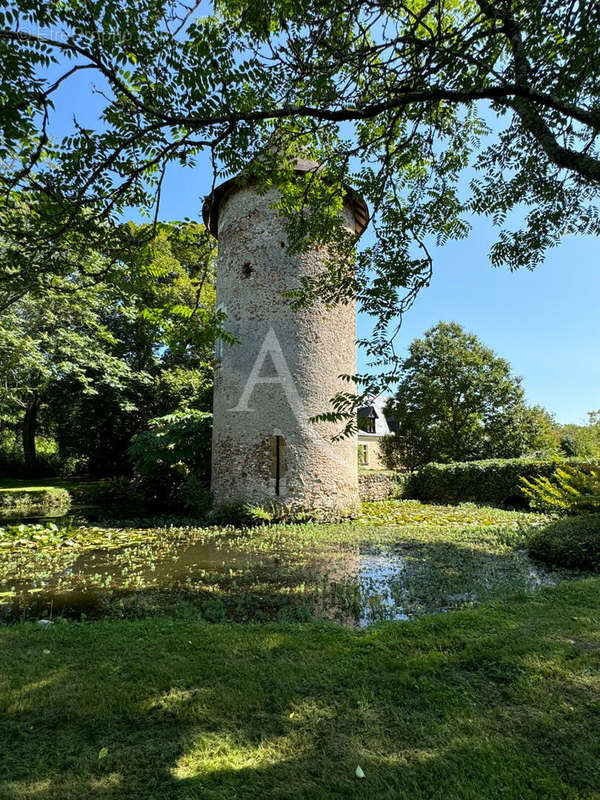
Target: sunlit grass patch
x=502 y=700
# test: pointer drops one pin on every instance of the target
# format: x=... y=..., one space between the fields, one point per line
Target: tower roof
x=212 y=202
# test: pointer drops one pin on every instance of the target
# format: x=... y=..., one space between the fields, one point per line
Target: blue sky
x=545 y=322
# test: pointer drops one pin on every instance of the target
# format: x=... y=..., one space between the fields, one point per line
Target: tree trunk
x=28 y=433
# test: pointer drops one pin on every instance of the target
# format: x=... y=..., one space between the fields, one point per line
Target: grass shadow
x=497 y=701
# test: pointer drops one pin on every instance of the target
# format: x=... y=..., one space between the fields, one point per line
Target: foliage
x=56 y=336
x=493 y=481
x=192 y=496
x=89 y=362
x=165 y=337
x=34 y=535
x=67 y=535
x=433 y=111
x=413 y=512
x=117 y=492
x=31 y=501
x=572 y=490
x=457 y=401
x=174 y=452
x=573 y=542
x=582 y=440
x=524 y=431
x=244 y=515
x=391 y=452
x=422 y=558
x=48 y=458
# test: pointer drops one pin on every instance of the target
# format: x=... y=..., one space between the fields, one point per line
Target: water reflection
x=243 y=578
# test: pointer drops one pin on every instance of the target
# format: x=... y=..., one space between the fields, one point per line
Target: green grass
x=498 y=701
x=33 y=500
x=28 y=484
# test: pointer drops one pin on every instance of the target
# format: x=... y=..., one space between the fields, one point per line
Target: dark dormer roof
x=367 y=412
x=376 y=411
x=392 y=424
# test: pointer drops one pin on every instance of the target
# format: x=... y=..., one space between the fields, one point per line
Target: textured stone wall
x=378 y=486
x=284 y=369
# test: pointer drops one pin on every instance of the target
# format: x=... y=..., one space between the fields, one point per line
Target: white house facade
x=373 y=425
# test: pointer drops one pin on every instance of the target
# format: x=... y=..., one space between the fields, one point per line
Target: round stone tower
x=286 y=366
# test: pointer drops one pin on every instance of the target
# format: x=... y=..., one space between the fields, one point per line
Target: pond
x=350 y=574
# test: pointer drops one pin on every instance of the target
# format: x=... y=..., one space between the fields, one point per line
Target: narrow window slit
x=278 y=465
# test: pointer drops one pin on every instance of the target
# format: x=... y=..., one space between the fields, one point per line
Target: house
x=373 y=425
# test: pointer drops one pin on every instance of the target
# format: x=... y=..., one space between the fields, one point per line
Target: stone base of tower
x=322 y=507
x=244 y=474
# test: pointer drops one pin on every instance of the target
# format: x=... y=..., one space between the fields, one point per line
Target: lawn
x=152 y=701
x=40 y=496
x=33 y=484
x=498 y=701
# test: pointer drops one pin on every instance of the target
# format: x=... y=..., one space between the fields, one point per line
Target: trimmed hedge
x=34 y=501
x=573 y=542
x=495 y=481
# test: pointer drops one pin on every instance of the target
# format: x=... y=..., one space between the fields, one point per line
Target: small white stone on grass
x=359 y=773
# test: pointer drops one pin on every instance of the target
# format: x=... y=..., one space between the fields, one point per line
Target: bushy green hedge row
x=573 y=542
x=25 y=501
x=495 y=481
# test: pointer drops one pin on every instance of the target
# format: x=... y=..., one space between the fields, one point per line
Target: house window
x=278 y=463
x=363 y=455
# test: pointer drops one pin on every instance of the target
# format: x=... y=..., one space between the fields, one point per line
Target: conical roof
x=213 y=201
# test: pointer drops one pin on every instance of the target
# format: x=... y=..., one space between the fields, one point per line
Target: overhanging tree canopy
x=432 y=109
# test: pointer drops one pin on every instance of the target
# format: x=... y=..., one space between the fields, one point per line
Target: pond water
x=243 y=577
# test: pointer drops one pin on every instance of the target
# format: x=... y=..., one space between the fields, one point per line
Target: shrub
x=120 y=491
x=570 y=491
x=572 y=542
x=496 y=481
x=241 y=514
x=194 y=496
x=34 y=501
x=174 y=450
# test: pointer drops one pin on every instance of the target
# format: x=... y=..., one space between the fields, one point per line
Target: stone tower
x=286 y=366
